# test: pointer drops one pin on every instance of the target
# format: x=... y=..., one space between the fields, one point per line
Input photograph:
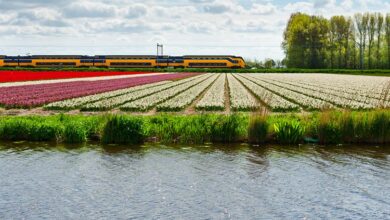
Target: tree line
x=361 y=41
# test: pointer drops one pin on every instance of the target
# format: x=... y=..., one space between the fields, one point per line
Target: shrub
x=123 y=130
x=289 y=131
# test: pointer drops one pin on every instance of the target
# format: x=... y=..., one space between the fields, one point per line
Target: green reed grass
x=123 y=130
x=258 y=128
x=329 y=127
x=289 y=131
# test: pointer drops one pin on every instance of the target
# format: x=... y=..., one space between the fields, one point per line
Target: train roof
x=127 y=56
x=120 y=56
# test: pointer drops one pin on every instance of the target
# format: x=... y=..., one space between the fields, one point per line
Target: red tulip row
x=20 y=75
x=36 y=95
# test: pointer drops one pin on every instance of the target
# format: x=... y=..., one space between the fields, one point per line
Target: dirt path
x=227 y=96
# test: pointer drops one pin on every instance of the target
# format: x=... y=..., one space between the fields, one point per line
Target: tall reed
x=123 y=130
x=258 y=128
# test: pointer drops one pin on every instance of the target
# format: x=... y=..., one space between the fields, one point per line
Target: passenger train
x=134 y=61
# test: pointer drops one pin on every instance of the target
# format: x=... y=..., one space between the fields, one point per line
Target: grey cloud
x=89 y=9
x=25 y=18
x=126 y=28
x=24 y=4
x=216 y=8
x=136 y=11
x=321 y=3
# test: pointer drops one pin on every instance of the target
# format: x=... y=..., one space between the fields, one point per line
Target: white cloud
x=263 y=9
x=253 y=29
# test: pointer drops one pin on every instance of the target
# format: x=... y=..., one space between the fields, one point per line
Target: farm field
x=208 y=92
x=25 y=75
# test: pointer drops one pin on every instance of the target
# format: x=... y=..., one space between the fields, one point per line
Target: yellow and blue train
x=129 y=61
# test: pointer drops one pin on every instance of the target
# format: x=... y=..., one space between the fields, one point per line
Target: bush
x=75 y=132
x=257 y=129
x=289 y=131
x=123 y=130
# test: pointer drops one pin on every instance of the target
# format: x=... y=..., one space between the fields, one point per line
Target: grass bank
x=372 y=72
x=330 y=127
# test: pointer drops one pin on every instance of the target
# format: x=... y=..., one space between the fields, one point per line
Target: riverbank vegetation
x=328 y=127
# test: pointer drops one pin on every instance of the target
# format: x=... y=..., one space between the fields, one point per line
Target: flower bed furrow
x=149 y=102
x=240 y=98
x=77 y=102
x=338 y=100
x=214 y=99
x=35 y=95
x=303 y=100
x=182 y=100
x=356 y=87
x=119 y=100
x=324 y=95
x=274 y=101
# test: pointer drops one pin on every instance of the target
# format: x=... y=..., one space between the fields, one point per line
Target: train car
x=59 y=60
x=130 y=61
x=213 y=62
x=2 y=60
x=127 y=61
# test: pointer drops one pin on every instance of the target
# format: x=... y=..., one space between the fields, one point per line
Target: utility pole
x=160 y=48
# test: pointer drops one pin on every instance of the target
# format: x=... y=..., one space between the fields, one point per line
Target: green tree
x=361 y=22
x=269 y=63
x=387 y=31
x=371 y=28
x=379 y=29
x=294 y=43
x=341 y=28
x=305 y=39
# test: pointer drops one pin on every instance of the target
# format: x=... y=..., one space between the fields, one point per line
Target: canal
x=41 y=181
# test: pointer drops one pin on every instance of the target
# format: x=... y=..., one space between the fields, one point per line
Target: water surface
x=39 y=181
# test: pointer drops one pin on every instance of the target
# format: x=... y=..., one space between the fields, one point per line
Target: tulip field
x=183 y=92
x=20 y=75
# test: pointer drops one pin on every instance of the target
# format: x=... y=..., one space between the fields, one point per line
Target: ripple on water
x=211 y=181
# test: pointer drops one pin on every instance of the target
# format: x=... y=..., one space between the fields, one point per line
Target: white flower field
x=242 y=92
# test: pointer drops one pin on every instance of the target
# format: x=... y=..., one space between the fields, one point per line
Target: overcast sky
x=249 y=28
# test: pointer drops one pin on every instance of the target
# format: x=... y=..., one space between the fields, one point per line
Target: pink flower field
x=35 y=95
